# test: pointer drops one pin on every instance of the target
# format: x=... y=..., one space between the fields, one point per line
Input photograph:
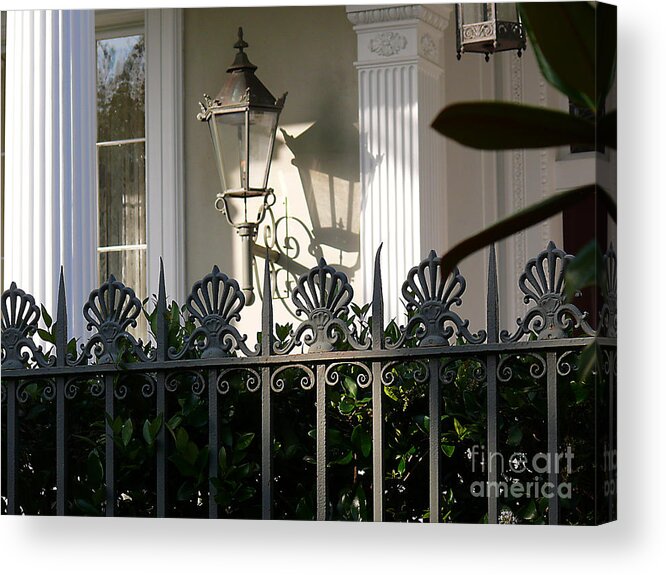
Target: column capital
x=397 y=34
x=436 y=16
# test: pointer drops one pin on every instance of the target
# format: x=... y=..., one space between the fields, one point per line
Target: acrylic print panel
x=434 y=332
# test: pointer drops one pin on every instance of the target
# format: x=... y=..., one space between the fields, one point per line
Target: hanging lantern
x=489 y=28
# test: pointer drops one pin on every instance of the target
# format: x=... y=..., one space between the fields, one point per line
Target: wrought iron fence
x=316 y=355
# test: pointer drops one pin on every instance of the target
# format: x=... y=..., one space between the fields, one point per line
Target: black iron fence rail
x=552 y=332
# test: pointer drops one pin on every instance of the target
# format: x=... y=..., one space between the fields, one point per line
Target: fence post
x=162 y=343
x=267 y=342
x=377 y=395
x=492 y=325
x=61 y=415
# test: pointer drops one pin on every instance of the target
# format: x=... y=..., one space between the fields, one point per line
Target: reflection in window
x=121 y=161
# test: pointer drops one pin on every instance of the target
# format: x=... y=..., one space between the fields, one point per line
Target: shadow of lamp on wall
x=326 y=156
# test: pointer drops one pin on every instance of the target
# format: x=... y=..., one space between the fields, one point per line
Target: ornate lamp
x=243 y=119
x=488 y=28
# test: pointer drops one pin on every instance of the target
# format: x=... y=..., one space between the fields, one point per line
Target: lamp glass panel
x=507 y=12
x=245 y=210
x=228 y=135
x=262 y=131
x=472 y=13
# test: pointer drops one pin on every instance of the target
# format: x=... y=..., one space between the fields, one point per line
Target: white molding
x=164 y=149
x=50 y=194
x=400 y=78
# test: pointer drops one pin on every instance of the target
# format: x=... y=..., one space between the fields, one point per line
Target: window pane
x=129 y=267
x=120 y=88
x=122 y=194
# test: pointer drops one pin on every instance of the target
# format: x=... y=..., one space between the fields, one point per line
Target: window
x=139 y=149
x=121 y=160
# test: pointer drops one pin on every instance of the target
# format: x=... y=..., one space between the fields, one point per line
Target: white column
x=164 y=141
x=50 y=189
x=400 y=79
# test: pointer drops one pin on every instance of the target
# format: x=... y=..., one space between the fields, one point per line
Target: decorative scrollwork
x=363 y=377
x=473 y=369
x=71 y=389
x=542 y=282
x=120 y=390
x=172 y=380
x=608 y=319
x=20 y=316
x=110 y=310
x=49 y=391
x=97 y=388
x=430 y=299
x=609 y=362
x=415 y=370
x=566 y=363
x=306 y=381
x=23 y=394
x=323 y=295
x=537 y=368
x=252 y=381
x=214 y=302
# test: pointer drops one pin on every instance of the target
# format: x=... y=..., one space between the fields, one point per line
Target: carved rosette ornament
x=387 y=44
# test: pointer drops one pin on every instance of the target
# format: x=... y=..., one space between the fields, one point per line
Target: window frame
x=163 y=37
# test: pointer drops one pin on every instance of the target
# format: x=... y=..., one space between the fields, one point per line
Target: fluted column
x=50 y=190
x=400 y=79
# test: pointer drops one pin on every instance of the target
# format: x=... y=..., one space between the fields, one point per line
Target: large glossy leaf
x=562 y=35
x=507 y=126
x=521 y=220
x=607 y=129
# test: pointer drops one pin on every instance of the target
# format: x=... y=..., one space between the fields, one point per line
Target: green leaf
x=126 y=432
x=530 y=511
x=94 y=469
x=46 y=336
x=351 y=386
x=508 y=126
x=606 y=48
x=361 y=440
x=521 y=220
x=448 y=449
x=244 y=441
x=607 y=129
x=461 y=430
x=47 y=318
x=344 y=460
x=562 y=35
x=588 y=360
x=147 y=437
x=586 y=269
x=346 y=405
x=515 y=436
x=185 y=492
x=222 y=459
x=87 y=508
x=182 y=439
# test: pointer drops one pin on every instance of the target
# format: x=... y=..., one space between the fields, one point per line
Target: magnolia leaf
x=521 y=220
x=562 y=35
x=508 y=126
x=586 y=269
